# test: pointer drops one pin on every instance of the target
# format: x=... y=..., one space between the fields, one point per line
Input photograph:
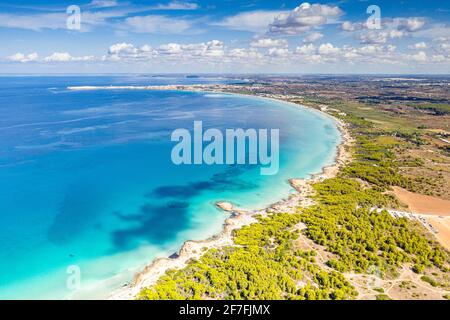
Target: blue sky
x=232 y=36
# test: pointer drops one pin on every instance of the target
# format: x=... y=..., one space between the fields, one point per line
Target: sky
x=227 y=36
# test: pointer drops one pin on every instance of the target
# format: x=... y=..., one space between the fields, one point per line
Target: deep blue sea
x=86 y=177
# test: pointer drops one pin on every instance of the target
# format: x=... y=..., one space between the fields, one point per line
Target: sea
x=89 y=194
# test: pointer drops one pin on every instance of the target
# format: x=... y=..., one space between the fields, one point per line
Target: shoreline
x=238 y=217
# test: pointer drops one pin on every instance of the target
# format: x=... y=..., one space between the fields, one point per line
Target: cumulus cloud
x=269 y=43
x=418 y=45
x=170 y=49
x=328 y=49
x=439 y=58
x=350 y=26
x=214 y=48
x=278 y=52
x=421 y=56
x=303 y=18
x=127 y=51
x=306 y=49
x=411 y=24
x=66 y=57
x=313 y=37
x=330 y=53
x=254 y=21
x=442 y=49
x=58 y=57
x=241 y=53
x=122 y=48
x=395 y=28
x=380 y=37
x=262 y=52
x=20 y=57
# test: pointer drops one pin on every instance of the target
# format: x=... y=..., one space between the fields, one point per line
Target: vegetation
x=436 y=108
x=383 y=297
x=430 y=280
x=360 y=237
x=265 y=265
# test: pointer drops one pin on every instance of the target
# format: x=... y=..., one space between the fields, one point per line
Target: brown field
x=422 y=204
x=437 y=212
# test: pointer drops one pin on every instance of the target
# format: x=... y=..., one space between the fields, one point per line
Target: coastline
x=238 y=218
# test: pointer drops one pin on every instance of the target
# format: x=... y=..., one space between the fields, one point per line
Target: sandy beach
x=238 y=218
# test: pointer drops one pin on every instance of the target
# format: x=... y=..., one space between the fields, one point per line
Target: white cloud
x=157 y=24
x=240 y=53
x=58 y=57
x=66 y=57
x=278 y=52
x=122 y=48
x=328 y=49
x=264 y=52
x=269 y=43
x=395 y=28
x=254 y=21
x=20 y=57
x=437 y=32
x=444 y=47
x=405 y=25
x=127 y=51
x=306 y=49
x=411 y=24
x=393 y=34
x=421 y=56
x=184 y=52
x=329 y=53
x=439 y=58
x=419 y=45
x=177 y=5
x=374 y=37
x=380 y=37
x=170 y=48
x=313 y=37
x=214 y=48
x=349 y=26
x=102 y=3
x=302 y=18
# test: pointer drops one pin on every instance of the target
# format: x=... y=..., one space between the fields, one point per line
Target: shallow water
x=86 y=177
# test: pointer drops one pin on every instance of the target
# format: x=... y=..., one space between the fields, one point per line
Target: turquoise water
x=86 y=177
